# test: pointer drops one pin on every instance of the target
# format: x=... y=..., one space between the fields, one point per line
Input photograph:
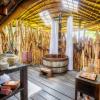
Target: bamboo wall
x=26 y=39
x=34 y=43
x=87 y=54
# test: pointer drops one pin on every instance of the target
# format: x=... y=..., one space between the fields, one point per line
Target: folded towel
x=4 y=78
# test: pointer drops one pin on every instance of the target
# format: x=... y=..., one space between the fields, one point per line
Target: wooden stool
x=46 y=71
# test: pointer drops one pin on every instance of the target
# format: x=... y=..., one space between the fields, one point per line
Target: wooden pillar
x=1 y=44
x=24 y=84
x=79 y=27
x=59 y=34
x=0 y=29
x=0 y=41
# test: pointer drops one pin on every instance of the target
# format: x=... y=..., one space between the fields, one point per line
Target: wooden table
x=88 y=87
x=23 y=89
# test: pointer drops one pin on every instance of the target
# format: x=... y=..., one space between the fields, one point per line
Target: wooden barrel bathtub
x=58 y=63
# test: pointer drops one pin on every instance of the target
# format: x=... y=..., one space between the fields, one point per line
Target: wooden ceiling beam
x=53 y=13
x=51 y=10
x=39 y=9
x=63 y=17
x=36 y=7
x=83 y=16
x=91 y=3
x=87 y=14
x=9 y=9
x=40 y=21
x=92 y=14
x=86 y=11
x=29 y=8
x=89 y=7
x=23 y=6
x=92 y=24
x=86 y=17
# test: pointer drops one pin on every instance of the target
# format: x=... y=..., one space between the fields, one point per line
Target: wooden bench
x=46 y=71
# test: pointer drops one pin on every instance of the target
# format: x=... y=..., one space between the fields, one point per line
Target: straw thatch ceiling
x=88 y=14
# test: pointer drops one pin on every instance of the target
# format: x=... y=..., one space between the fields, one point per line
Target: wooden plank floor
x=60 y=87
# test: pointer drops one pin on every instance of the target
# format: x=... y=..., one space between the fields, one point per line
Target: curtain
x=54 y=38
x=69 y=42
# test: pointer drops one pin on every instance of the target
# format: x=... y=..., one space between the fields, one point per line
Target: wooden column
x=1 y=51
x=2 y=40
x=59 y=34
x=24 y=84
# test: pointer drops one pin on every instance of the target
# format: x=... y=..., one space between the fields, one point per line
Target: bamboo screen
x=35 y=41
x=87 y=54
x=24 y=38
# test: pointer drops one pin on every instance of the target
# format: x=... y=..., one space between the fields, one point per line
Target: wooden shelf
x=11 y=94
x=17 y=68
x=23 y=89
